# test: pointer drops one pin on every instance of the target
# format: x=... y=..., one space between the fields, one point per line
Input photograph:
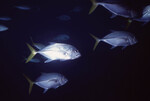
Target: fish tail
x=32 y=54
x=94 y=6
x=30 y=83
x=97 y=41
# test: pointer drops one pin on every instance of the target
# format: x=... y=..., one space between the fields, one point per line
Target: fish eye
x=76 y=51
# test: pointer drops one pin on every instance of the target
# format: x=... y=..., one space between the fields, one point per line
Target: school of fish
x=57 y=49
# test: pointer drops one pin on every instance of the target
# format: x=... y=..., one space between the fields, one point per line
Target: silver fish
x=145 y=15
x=47 y=81
x=117 y=38
x=3 y=28
x=115 y=8
x=5 y=18
x=56 y=51
x=23 y=7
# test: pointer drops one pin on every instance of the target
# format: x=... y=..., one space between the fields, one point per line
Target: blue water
x=102 y=75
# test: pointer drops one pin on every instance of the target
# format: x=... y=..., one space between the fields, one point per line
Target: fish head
x=74 y=53
x=146 y=11
x=63 y=80
x=132 y=41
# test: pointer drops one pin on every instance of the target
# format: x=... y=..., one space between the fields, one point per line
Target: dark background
x=102 y=75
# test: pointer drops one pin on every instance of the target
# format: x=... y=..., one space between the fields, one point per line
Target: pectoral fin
x=48 y=60
x=113 y=16
x=113 y=47
x=45 y=90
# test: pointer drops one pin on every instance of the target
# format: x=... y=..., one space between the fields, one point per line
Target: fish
x=39 y=46
x=47 y=81
x=76 y=9
x=117 y=9
x=64 y=17
x=3 y=28
x=145 y=15
x=23 y=7
x=117 y=38
x=55 y=51
x=61 y=37
x=35 y=60
x=5 y=18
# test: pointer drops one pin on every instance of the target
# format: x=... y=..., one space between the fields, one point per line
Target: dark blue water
x=102 y=75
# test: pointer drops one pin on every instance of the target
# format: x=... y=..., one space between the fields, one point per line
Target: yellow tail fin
x=30 y=83
x=97 y=41
x=94 y=6
x=33 y=53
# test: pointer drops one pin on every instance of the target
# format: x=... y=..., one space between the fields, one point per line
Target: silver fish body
x=48 y=81
x=59 y=51
x=120 y=38
x=117 y=9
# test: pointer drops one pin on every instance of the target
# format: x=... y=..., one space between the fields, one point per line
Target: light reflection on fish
x=3 y=28
x=47 y=81
x=115 y=8
x=55 y=51
x=117 y=38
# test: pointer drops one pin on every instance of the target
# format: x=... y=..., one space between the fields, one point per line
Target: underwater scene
x=75 y=50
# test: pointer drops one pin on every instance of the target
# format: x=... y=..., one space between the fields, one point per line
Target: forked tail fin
x=97 y=41
x=32 y=54
x=94 y=6
x=30 y=83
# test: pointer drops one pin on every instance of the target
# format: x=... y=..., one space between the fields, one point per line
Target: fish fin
x=32 y=54
x=45 y=90
x=97 y=41
x=48 y=60
x=30 y=83
x=124 y=47
x=113 y=47
x=32 y=41
x=113 y=16
x=94 y=6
